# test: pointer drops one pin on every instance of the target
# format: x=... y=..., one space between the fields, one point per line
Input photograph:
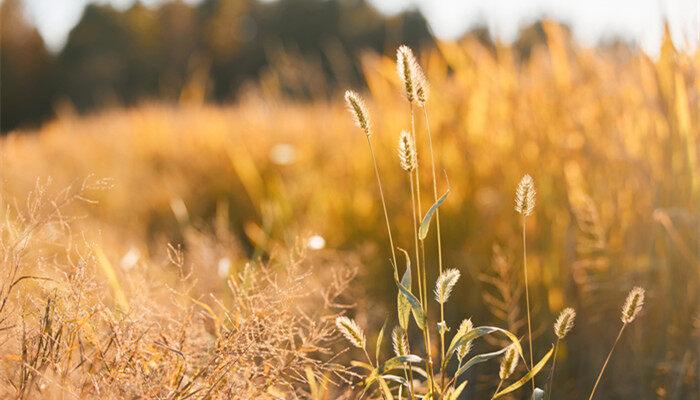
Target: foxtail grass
x=378 y=374
x=525 y=205
x=633 y=305
x=360 y=115
x=562 y=327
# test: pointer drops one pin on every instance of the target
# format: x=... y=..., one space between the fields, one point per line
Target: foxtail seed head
x=359 y=111
x=444 y=284
x=508 y=363
x=407 y=152
x=564 y=322
x=525 y=196
x=406 y=68
x=352 y=332
x=464 y=349
x=633 y=305
x=399 y=340
x=422 y=86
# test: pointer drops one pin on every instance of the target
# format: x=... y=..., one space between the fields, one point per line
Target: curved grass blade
x=453 y=394
x=380 y=338
x=478 y=359
x=527 y=376
x=385 y=388
x=416 y=307
x=403 y=307
x=362 y=365
x=478 y=332
x=425 y=224
x=399 y=362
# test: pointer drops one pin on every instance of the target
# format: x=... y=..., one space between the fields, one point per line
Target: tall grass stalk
x=525 y=204
x=562 y=327
x=406 y=65
x=439 y=235
x=359 y=112
x=633 y=305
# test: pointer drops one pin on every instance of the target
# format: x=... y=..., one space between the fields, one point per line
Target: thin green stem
x=602 y=370
x=386 y=214
x=527 y=298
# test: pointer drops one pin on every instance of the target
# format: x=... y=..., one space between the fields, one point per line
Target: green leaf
x=462 y=338
x=380 y=338
x=386 y=392
x=538 y=394
x=403 y=307
x=478 y=359
x=362 y=365
x=399 y=362
x=416 y=307
x=425 y=224
x=453 y=394
x=531 y=374
x=395 y=378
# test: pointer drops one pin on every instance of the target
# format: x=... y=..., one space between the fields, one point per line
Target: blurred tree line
x=122 y=57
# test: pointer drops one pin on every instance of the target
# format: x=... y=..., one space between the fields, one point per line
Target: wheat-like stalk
x=633 y=305
x=444 y=285
x=525 y=204
x=564 y=322
x=399 y=341
x=407 y=152
x=525 y=196
x=508 y=363
x=422 y=86
x=352 y=332
x=406 y=69
x=465 y=348
x=562 y=326
x=359 y=112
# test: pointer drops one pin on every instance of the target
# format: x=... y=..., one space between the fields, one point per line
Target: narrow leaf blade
x=425 y=224
x=416 y=307
x=531 y=374
x=403 y=307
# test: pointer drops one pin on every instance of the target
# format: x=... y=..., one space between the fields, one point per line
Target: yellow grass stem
x=386 y=214
x=527 y=297
x=605 y=364
x=500 y=383
x=551 y=372
x=439 y=238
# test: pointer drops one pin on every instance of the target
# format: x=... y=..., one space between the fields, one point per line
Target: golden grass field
x=176 y=263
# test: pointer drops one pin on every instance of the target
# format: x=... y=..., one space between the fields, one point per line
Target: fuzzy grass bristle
x=406 y=69
x=564 y=323
x=352 y=332
x=525 y=196
x=422 y=86
x=464 y=349
x=359 y=112
x=633 y=305
x=407 y=152
x=508 y=363
x=399 y=341
x=444 y=285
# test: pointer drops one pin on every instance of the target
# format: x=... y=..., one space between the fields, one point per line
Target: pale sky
x=591 y=20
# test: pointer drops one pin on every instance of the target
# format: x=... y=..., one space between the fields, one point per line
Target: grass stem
x=605 y=364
